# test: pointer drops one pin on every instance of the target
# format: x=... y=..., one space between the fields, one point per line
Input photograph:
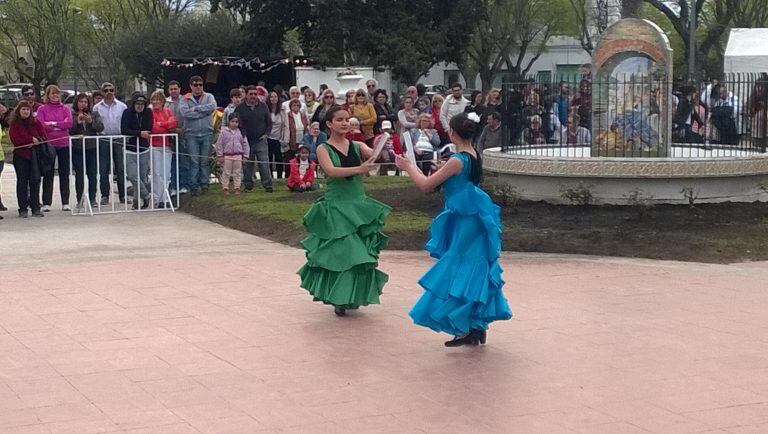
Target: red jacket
x=357 y=137
x=22 y=136
x=163 y=122
x=295 y=178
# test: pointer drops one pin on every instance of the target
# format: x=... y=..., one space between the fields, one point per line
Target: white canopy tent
x=747 y=51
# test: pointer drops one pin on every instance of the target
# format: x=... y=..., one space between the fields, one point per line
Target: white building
x=746 y=51
x=562 y=58
x=314 y=77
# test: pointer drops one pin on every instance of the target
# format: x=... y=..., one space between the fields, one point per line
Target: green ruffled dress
x=344 y=242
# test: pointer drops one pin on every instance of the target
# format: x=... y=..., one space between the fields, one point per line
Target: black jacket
x=132 y=124
x=255 y=122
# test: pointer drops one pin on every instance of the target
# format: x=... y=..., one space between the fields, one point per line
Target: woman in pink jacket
x=56 y=119
x=163 y=122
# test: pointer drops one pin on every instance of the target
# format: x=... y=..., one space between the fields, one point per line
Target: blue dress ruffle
x=463 y=289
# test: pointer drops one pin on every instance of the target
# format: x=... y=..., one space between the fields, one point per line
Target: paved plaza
x=160 y=322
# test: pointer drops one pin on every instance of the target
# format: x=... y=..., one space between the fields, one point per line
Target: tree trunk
x=631 y=8
x=486 y=76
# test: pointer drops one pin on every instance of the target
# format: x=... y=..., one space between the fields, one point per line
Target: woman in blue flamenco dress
x=462 y=291
x=344 y=226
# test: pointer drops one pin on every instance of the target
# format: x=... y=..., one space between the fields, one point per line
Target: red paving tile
x=183 y=326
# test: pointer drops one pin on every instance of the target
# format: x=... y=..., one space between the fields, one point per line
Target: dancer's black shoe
x=480 y=335
x=467 y=339
x=340 y=311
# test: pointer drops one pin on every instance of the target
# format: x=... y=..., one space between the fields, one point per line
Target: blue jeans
x=199 y=149
x=183 y=167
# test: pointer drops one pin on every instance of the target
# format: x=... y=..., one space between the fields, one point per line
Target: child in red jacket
x=302 y=175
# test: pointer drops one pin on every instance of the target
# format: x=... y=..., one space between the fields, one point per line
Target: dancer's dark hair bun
x=463 y=126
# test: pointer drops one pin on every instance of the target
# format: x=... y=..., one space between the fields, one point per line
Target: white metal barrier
x=97 y=163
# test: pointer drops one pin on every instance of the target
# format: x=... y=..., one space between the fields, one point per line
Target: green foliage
x=640 y=200
x=40 y=29
x=690 y=195
x=506 y=195
x=143 y=47
x=580 y=194
x=408 y=35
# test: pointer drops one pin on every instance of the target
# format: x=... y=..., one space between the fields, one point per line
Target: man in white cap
x=391 y=148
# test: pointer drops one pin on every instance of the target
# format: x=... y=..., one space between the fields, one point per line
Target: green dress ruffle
x=344 y=242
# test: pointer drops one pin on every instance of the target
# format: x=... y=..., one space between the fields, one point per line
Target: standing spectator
x=355 y=133
x=2 y=166
x=349 y=99
x=136 y=123
x=163 y=122
x=57 y=120
x=26 y=131
x=110 y=151
x=582 y=103
x=235 y=98
x=86 y=122
x=327 y=100
x=28 y=93
x=561 y=100
x=413 y=92
x=196 y=109
x=491 y=135
x=493 y=101
x=310 y=100
x=294 y=134
x=425 y=142
x=313 y=139
x=371 y=85
x=423 y=105
x=323 y=88
x=437 y=105
x=408 y=116
x=698 y=129
x=530 y=95
x=476 y=105
x=758 y=111
x=302 y=172
x=384 y=111
x=550 y=122
x=295 y=95
x=363 y=110
x=179 y=169
x=685 y=116
x=725 y=108
x=453 y=105
x=262 y=93
x=97 y=97
x=231 y=149
x=256 y=124
x=276 y=134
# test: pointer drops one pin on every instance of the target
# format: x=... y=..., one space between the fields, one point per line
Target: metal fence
x=636 y=116
x=104 y=169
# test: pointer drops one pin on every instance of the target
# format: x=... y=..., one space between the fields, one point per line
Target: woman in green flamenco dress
x=344 y=226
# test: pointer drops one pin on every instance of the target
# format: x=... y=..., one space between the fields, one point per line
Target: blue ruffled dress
x=463 y=289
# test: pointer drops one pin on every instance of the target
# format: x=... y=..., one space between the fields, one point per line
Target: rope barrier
x=210 y=157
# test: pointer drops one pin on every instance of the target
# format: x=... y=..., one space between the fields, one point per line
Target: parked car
x=432 y=89
x=10 y=97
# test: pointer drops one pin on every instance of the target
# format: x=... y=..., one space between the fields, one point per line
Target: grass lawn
x=718 y=233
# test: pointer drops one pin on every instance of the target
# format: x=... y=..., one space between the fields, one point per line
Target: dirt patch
x=716 y=233
x=267 y=227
